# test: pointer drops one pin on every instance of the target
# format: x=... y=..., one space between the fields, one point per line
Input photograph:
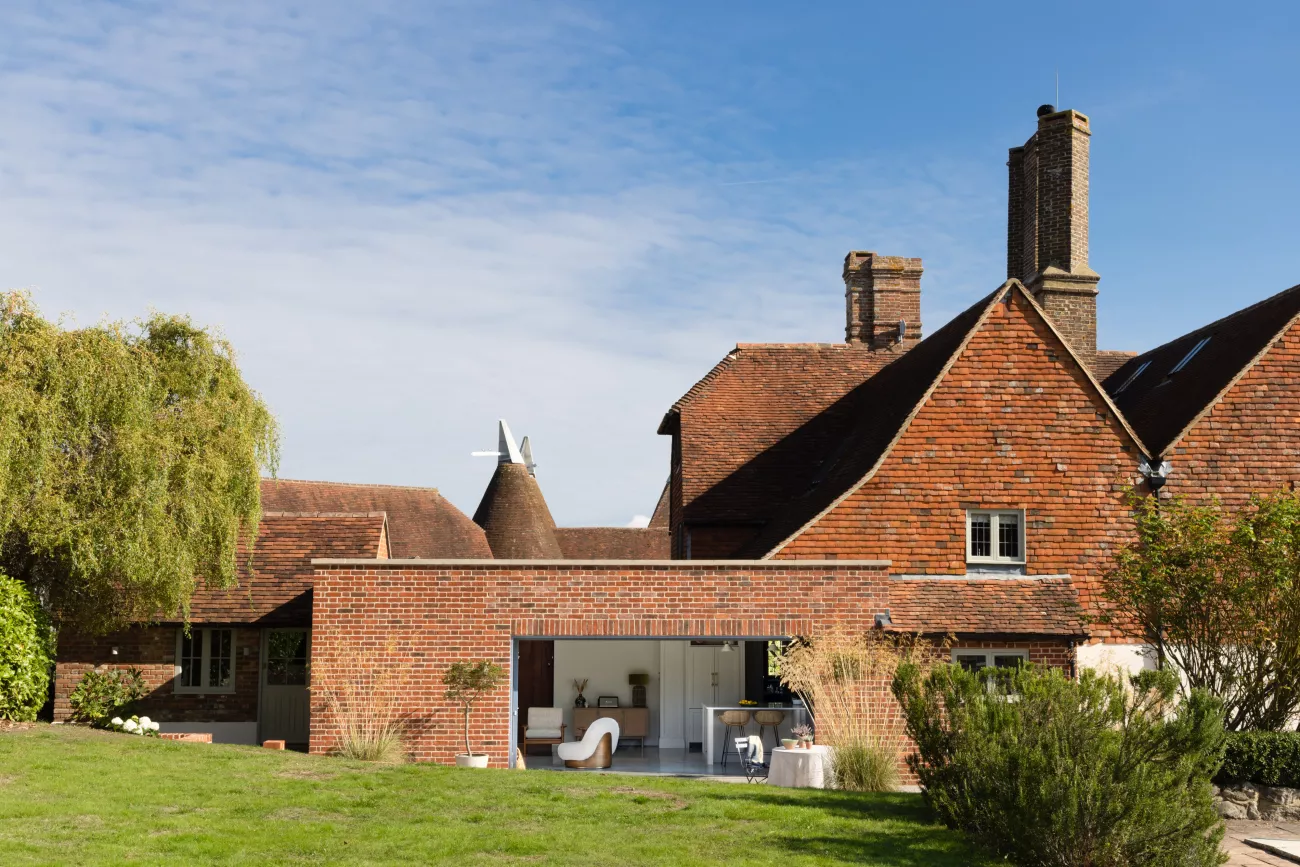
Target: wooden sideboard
x=633 y=722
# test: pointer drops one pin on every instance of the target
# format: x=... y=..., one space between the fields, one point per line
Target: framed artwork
x=607 y=701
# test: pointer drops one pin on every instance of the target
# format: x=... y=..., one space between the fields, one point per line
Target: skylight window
x=1134 y=375
x=1189 y=356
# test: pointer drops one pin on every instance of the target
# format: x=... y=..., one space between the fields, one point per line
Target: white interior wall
x=606 y=665
x=672 y=694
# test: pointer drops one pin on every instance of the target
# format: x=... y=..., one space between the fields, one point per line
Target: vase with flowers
x=804 y=734
x=580 y=686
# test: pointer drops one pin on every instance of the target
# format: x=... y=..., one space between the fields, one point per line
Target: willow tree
x=129 y=463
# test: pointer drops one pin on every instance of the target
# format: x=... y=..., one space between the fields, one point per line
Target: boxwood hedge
x=1267 y=758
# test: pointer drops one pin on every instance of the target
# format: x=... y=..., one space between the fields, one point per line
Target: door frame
x=514 y=664
x=263 y=657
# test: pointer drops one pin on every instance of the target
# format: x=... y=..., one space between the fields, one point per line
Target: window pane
x=1009 y=536
x=971 y=662
x=191 y=658
x=1008 y=661
x=219 y=658
x=286 y=651
x=981 y=536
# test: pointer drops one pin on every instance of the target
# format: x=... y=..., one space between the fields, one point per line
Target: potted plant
x=805 y=735
x=466 y=683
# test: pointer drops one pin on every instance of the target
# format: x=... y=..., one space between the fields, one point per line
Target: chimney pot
x=1045 y=110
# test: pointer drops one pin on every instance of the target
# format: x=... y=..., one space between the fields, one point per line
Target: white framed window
x=975 y=659
x=205 y=660
x=995 y=536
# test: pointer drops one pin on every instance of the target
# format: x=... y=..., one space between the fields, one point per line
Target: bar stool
x=732 y=719
x=770 y=719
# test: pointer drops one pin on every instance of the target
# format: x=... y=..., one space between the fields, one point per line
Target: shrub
x=136 y=725
x=844 y=679
x=104 y=694
x=26 y=652
x=1268 y=758
x=362 y=688
x=467 y=683
x=1044 y=770
x=865 y=765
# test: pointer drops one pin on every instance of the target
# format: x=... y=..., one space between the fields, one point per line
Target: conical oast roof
x=514 y=516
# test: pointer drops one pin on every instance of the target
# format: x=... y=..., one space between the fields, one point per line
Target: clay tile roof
x=1110 y=360
x=748 y=427
x=421 y=522
x=659 y=517
x=878 y=409
x=1024 y=606
x=515 y=518
x=1161 y=404
x=277 y=590
x=613 y=543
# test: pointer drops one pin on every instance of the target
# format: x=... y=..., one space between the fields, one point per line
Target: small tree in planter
x=466 y=683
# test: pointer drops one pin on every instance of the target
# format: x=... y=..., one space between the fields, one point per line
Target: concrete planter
x=471 y=760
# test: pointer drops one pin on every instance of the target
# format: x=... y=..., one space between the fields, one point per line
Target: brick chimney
x=1047 y=225
x=882 y=297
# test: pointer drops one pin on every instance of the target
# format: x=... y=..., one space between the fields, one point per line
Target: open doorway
x=667 y=695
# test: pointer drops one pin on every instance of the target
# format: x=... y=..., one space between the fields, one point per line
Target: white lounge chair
x=545 y=726
x=595 y=750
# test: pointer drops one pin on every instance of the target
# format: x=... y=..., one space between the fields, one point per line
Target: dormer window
x=995 y=536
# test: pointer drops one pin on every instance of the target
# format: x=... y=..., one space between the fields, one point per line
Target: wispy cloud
x=413 y=219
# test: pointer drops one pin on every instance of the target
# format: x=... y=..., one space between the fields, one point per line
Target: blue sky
x=413 y=218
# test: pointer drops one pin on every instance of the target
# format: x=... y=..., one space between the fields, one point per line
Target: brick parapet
x=415 y=619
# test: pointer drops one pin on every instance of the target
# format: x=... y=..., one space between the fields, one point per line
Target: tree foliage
x=468 y=682
x=1042 y=769
x=130 y=458
x=1218 y=596
x=26 y=652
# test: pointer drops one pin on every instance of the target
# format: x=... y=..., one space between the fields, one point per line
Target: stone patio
x=1245 y=855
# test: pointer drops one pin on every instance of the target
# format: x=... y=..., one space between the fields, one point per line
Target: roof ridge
x=370 y=514
x=1221 y=320
x=802 y=344
x=354 y=484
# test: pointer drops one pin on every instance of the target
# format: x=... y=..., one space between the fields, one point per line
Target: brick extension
x=416 y=617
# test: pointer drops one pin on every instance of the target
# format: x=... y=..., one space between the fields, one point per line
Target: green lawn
x=73 y=796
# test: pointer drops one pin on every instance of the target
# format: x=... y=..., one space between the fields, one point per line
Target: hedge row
x=1267 y=758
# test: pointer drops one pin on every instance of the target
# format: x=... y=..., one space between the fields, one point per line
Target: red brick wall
x=153 y=651
x=1249 y=441
x=414 y=620
x=1013 y=425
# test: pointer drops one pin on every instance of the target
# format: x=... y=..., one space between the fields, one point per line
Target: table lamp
x=639 y=680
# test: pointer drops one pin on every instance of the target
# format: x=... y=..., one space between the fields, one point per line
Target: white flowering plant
x=136 y=725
